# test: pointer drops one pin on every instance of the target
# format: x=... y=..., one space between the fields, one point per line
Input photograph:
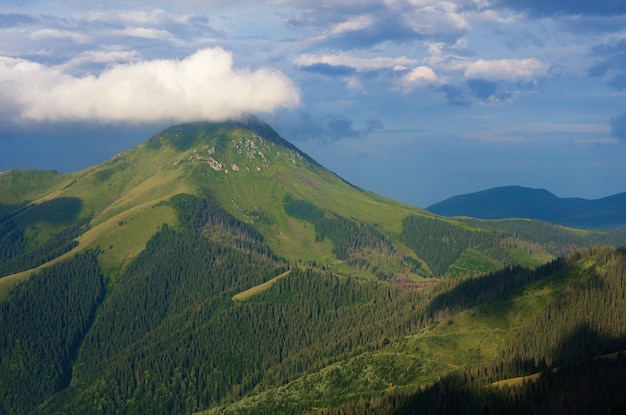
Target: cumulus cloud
x=506 y=69
x=420 y=76
x=204 y=85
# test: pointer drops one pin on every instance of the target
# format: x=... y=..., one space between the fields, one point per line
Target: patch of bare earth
x=408 y=283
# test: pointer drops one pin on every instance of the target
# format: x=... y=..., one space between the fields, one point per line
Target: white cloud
x=507 y=69
x=359 y=64
x=46 y=34
x=433 y=16
x=420 y=76
x=146 y=33
x=446 y=57
x=354 y=84
x=352 y=25
x=204 y=85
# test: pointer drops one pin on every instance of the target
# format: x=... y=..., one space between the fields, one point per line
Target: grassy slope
x=22 y=186
x=119 y=195
x=251 y=292
x=264 y=173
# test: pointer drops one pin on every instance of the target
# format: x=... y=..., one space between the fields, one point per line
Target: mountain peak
x=246 y=129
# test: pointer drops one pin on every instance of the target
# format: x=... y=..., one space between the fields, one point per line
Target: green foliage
x=60 y=211
x=584 y=320
x=573 y=345
x=464 y=343
x=14 y=255
x=555 y=239
x=359 y=243
x=440 y=243
x=594 y=386
x=43 y=323
x=471 y=262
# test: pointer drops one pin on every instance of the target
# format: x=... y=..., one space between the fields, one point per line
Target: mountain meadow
x=217 y=269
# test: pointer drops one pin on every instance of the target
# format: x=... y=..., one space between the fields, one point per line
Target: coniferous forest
x=209 y=301
x=168 y=338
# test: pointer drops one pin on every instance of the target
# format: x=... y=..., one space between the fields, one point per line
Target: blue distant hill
x=608 y=213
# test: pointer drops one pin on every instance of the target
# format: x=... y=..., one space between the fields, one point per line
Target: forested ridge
x=440 y=243
x=169 y=339
x=575 y=349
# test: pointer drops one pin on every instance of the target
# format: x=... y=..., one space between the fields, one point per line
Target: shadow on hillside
x=480 y=290
x=61 y=211
x=9 y=210
x=586 y=383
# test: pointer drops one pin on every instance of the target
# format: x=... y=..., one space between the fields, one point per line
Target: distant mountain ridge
x=523 y=202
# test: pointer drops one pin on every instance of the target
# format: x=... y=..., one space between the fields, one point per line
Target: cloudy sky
x=418 y=100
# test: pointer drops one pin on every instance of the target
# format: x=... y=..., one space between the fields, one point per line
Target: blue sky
x=418 y=100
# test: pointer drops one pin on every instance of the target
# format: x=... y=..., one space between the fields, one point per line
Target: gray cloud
x=329 y=70
x=359 y=25
x=612 y=63
x=478 y=91
x=544 y=8
x=382 y=29
x=16 y=19
x=326 y=128
x=484 y=90
x=455 y=95
x=618 y=127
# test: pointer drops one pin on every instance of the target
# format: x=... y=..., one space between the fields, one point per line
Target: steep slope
x=522 y=202
x=248 y=173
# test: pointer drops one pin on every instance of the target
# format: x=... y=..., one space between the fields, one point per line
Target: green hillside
x=217 y=268
x=519 y=341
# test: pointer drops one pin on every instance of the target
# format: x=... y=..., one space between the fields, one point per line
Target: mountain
x=216 y=267
x=522 y=202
